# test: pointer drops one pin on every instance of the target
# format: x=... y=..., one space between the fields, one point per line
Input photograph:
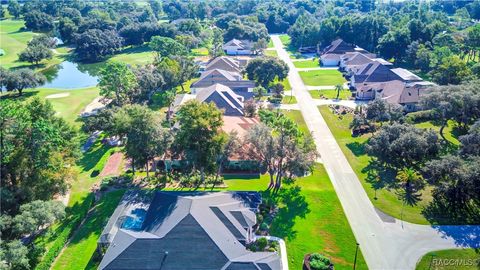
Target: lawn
x=285 y=39
x=467 y=259
x=14 y=40
x=313 y=63
x=83 y=244
x=289 y=100
x=285 y=82
x=134 y=55
x=330 y=94
x=200 y=52
x=270 y=44
x=322 y=77
x=353 y=148
x=296 y=116
x=272 y=53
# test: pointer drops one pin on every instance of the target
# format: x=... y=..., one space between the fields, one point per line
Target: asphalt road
x=386 y=242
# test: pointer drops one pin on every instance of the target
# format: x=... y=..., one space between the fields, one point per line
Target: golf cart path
x=385 y=244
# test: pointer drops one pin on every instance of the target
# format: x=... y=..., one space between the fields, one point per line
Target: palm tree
x=412 y=182
x=339 y=88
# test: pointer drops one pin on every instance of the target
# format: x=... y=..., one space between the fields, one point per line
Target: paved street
x=386 y=243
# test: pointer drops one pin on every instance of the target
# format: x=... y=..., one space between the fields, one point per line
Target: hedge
x=71 y=224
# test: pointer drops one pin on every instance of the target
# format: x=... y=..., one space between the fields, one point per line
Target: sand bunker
x=61 y=95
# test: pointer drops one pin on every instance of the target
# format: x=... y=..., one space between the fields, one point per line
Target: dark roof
x=191 y=231
x=223 y=97
x=374 y=72
x=339 y=46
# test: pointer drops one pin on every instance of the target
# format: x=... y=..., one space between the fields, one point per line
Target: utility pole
x=355 y=261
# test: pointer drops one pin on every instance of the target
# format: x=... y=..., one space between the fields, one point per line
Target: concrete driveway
x=386 y=242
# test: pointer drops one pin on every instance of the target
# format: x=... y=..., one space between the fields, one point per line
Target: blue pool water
x=135 y=220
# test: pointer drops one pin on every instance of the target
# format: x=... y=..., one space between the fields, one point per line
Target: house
x=331 y=55
x=222 y=96
x=224 y=63
x=234 y=80
x=184 y=230
x=238 y=47
x=372 y=72
x=406 y=94
x=350 y=62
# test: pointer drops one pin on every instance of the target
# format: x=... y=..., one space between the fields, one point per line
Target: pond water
x=69 y=75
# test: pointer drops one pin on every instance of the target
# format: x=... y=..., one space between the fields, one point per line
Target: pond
x=70 y=75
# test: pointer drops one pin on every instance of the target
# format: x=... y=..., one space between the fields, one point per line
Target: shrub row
x=71 y=225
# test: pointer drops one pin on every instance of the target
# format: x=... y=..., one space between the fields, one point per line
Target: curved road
x=386 y=243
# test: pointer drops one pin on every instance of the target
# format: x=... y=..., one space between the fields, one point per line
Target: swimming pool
x=134 y=221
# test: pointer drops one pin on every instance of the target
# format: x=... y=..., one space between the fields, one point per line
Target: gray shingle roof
x=374 y=72
x=190 y=231
x=224 y=63
x=223 y=97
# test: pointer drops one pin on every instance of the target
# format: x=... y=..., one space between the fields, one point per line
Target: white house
x=238 y=47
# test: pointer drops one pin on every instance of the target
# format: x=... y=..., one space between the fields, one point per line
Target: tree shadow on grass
x=358 y=149
x=440 y=212
x=380 y=176
x=291 y=204
x=91 y=158
x=14 y=95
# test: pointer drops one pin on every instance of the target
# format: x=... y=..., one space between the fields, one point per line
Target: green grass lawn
x=330 y=94
x=14 y=40
x=322 y=77
x=134 y=55
x=289 y=100
x=296 y=116
x=313 y=63
x=468 y=258
x=270 y=44
x=83 y=244
x=271 y=53
x=448 y=131
x=353 y=148
x=200 y=52
x=285 y=39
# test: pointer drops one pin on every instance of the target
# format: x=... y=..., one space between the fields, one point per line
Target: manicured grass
x=322 y=77
x=200 y=52
x=353 y=148
x=330 y=94
x=83 y=244
x=134 y=55
x=289 y=100
x=186 y=86
x=459 y=259
x=270 y=44
x=285 y=39
x=448 y=131
x=271 y=53
x=313 y=63
x=296 y=116
x=324 y=229
x=14 y=40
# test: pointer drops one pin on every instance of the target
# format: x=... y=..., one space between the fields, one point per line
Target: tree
x=471 y=141
x=456 y=183
x=95 y=44
x=250 y=108
x=280 y=148
x=453 y=102
x=278 y=89
x=188 y=69
x=379 y=111
x=14 y=8
x=149 y=80
x=38 y=153
x=412 y=183
x=259 y=46
x=37 y=214
x=259 y=92
x=338 y=88
x=199 y=138
x=145 y=136
x=403 y=146
x=265 y=70
x=16 y=255
x=231 y=146
x=118 y=82
x=35 y=54
x=39 y=21
x=21 y=79
x=451 y=70
x=394 y=43
x=165 y=46
x=43 y=40
x=67 y=29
